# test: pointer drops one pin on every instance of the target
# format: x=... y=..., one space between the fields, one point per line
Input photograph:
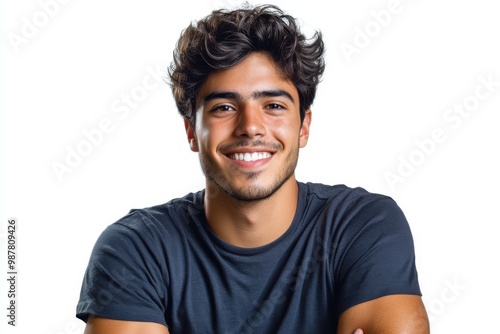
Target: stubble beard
x=251 y=193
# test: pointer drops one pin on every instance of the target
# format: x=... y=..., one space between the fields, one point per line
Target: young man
x=256 y=251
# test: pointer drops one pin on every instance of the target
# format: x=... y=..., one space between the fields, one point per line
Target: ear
x=304 y=129
x=191 y=135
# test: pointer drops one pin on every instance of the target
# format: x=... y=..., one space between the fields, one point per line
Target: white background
x=71 y=72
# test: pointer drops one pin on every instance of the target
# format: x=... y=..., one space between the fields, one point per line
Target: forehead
x=257 y=72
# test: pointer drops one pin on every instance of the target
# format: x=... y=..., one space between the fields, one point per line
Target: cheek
x=210 y=135
x=287 y=132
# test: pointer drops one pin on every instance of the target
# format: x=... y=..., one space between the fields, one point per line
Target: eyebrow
x=256 y=95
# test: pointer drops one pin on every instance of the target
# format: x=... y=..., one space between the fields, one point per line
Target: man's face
x=248 y=130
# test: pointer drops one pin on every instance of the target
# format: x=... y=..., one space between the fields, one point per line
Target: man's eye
x=223 y=108
x=275 y=106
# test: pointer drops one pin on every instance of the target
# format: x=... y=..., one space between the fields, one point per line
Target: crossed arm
x=394 y=314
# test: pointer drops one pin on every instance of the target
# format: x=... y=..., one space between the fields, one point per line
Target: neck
x=251 y=224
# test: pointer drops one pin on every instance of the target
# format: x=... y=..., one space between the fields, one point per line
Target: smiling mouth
x=254 y=156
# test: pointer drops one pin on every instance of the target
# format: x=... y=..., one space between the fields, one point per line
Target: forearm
x=386 y=315
x=97 y=325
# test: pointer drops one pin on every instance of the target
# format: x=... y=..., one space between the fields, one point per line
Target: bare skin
x=258 y=117
x=393 y=314
x=98 y=325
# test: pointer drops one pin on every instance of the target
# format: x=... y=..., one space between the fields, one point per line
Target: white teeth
x=250 y=156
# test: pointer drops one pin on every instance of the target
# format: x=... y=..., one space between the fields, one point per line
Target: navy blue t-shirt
x=164 y=264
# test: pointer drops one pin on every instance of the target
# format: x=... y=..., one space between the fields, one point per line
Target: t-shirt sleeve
x=124 y=279
x=378 y=257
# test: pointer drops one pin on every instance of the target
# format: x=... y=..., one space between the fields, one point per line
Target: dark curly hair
x=224 y=38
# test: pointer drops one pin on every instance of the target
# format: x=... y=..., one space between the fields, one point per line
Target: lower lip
x=250 y=164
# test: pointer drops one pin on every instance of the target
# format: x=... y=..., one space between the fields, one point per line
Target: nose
x=250 y=122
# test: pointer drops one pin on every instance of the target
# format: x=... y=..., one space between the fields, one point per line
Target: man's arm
x=98 y=325
x=393 y=314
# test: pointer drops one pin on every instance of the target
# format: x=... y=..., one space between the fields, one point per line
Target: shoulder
x=344 y=199
x=346 y=214
x=154 y=225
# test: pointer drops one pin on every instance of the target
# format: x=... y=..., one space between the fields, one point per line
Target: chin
x=252 y=193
